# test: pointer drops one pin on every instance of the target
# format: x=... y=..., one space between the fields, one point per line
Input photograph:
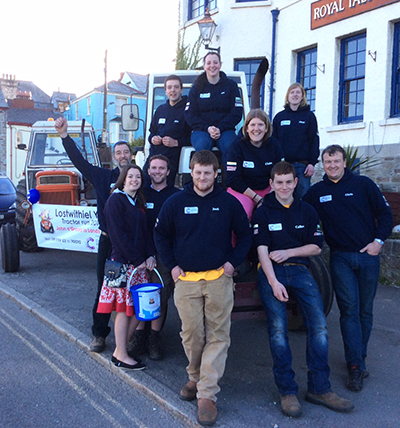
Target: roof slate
x=30 y=116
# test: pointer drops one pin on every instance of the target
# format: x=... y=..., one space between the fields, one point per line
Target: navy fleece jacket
x=353 y=211
x=169 y=121
x=250 y=166
x=102 y=179
x=281 y=228
x=217 y=105
x=126 y=221
x=155 y=200
x=297 y=131
x=195 y=232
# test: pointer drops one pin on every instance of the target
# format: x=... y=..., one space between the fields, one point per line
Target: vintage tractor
x=49 y=170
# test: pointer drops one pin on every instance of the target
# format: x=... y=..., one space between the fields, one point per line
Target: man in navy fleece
x=169 y=131
x=286 y=235
x=356 y=219
x=102 y=179
x=156 y=193
x=193 y=236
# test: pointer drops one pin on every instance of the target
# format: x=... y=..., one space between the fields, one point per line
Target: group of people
x=197 y=237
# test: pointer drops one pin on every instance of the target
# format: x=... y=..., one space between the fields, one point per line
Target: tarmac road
x=59 y=288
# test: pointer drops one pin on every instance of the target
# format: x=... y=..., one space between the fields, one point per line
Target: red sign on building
x=324 y=12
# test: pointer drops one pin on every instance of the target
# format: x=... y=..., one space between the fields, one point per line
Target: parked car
x=7 y=200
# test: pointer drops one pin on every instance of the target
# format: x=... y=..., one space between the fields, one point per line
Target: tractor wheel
x=9 y=248
x=322 y=276
x=27 y=241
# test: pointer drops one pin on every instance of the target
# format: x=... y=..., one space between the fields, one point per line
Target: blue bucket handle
x=155 y=270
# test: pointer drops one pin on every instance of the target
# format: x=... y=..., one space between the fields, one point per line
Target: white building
x=346 y=53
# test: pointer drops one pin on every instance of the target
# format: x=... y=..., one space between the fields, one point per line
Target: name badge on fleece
x=161 y=121
x=150 y=205
x=205 y=95
x=285 y=122
x=248 y=164
x=326 y=198
x=275 y=227
x=191 y=210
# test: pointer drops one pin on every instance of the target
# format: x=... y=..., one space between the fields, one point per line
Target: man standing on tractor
x=169 y=131
x=193 y=236
x=102 y=179
x=286 y=234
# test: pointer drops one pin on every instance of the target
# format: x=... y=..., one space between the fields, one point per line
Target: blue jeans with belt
x=355 y=279
x=304 y=289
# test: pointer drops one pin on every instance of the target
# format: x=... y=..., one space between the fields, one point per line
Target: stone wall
x=390 y=262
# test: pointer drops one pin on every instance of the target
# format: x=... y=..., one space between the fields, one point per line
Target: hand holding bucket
x=146 y=298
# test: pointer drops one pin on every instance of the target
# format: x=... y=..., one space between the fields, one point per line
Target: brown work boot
x=330 y=400
x=98 y=344
x=207 y=412
x=189 y=391
x=290 y=406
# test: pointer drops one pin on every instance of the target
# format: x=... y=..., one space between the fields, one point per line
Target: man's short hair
x=282 y=168
x=332 y=149
x=204 y=157
x=173 y=77
x=121 y=143
x=159 y=157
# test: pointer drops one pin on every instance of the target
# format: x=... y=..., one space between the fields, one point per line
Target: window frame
x=395 y=88
x=201 y=8
x=342 y=118
x=88 y=106
x=301 y=78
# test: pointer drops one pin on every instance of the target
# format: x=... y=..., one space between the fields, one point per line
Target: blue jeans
x=306 y=293
x=355 y=279
x=201 y=140
x=304 y=182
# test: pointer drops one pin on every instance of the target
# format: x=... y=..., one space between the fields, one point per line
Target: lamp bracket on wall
x=372 y=55
x=321 y=68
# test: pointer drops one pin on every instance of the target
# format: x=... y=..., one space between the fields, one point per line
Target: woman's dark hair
x=259 y=114
x=140 y=199
x=201 y=79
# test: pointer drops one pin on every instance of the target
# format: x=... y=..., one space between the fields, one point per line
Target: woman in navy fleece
x=250 y=161
x=296 y=129
x=214 y=108
x=131 y=245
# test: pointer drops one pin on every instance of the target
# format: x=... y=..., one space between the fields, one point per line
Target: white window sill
x=391 y=121
x=251 y=4
x=346 y=127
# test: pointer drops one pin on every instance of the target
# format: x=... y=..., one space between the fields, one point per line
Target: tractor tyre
x=321 y=274
x=9 y=248
x=26 y=241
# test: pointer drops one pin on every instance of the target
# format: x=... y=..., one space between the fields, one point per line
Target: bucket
x=146 y=299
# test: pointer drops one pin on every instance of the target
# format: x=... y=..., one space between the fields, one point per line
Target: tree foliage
x=187 y=58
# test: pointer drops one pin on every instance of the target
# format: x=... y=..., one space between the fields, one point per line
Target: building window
x=352 y=79
x=250 y=66
x=119 y=102
x=76 y=111
x=197 y=8
x=88 y=105
x=395 y=104
x=307 y=74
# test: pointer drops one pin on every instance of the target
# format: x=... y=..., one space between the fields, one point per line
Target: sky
x=61 y=45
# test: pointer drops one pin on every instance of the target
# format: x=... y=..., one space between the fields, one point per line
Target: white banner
x=66 y=227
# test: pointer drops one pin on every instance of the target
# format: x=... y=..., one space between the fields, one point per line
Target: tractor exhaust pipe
x=257 y=82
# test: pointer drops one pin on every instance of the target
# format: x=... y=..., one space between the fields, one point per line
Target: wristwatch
x=379 y=241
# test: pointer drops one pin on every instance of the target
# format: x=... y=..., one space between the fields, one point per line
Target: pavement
x=59 y=288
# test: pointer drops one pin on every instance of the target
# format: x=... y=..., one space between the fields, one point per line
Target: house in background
x=91 y=107
x=345 y=53
x=62 y=101
x=22 y=104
